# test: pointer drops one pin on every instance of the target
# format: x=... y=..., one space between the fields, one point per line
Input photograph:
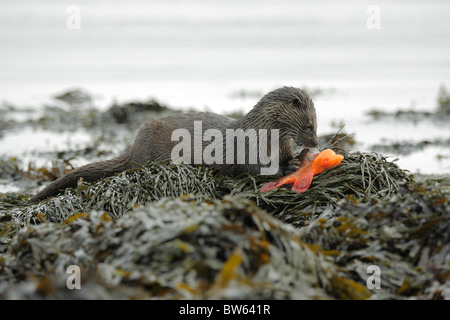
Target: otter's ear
x=297 y=104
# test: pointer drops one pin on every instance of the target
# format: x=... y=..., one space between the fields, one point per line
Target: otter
x=288 y=109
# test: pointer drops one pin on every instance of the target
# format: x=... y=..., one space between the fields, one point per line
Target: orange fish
x=302 y=177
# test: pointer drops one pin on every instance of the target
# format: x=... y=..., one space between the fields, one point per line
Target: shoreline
x=168 y=231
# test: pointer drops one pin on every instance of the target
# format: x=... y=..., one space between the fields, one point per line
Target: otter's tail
x=90 y=173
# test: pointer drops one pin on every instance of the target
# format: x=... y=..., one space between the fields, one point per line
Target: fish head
x=325 y=160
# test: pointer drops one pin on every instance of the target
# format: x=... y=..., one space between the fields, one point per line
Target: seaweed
x=127 y=113
x=406 y=235
x=439 y=115
x=443 y=101
x=174 y=248
x=124 y=191
x=75 y=98
x=408 y=147
x=178 y=231
x=360 y=177
x=166 y=231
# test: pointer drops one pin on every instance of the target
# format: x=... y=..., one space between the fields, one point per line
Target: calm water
x=197 y=54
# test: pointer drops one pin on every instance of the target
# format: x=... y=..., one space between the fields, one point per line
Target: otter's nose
x=310 y=142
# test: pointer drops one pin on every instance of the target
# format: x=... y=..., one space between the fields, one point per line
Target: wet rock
x=75 y=98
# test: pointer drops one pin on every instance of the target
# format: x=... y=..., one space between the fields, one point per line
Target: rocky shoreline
x=183 y=232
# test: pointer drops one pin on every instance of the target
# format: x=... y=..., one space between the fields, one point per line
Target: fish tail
x=271 y=185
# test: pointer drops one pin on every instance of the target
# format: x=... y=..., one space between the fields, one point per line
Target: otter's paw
x=294 y=164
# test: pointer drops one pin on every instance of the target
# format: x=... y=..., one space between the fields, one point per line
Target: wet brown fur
x=288 y=109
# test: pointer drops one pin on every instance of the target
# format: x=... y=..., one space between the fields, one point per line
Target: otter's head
x=292 y=111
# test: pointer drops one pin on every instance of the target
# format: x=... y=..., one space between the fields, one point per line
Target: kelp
x=179 y=231
x=440 y=115
x=170 y=249
x=167 y=231
x=408 y=147
x=360 y=176
x=122 y=192
x=406 y=235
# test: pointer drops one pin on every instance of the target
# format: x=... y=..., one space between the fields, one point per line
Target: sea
x=221 y=56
